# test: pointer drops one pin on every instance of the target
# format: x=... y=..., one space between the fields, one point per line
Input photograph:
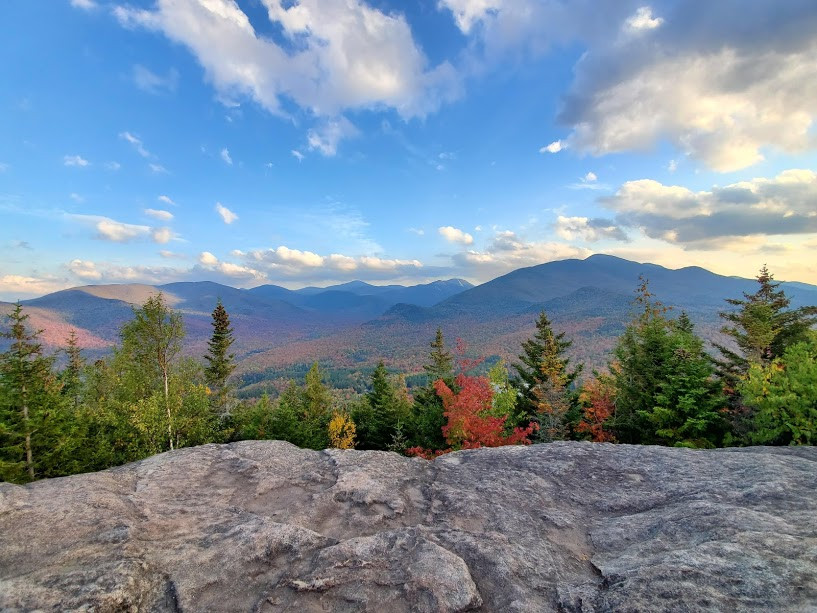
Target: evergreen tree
x=29 y=404
x=543 y=374
x=377 y=419
x=220 y=362
x=71 y=375
x=762 y=327
x=664 y=385
x=428 y=416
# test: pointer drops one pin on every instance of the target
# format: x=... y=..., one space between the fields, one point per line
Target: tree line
x=661 y=387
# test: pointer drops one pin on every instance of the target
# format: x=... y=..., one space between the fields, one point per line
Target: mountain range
x=349 y=327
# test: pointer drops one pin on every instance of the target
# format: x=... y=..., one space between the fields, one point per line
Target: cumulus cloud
x=15 y=287
x=159 y=214
x=207 y=259
x=225 y=155
x=721 y=89
x=162 y=235
x=334 y=55
x=227 y=216
x=136 y=142
x=75 y=160
x=554 y=147
x=783 y=205
x=85 y=270
x=120 y=232
x=285 y=262
x=455 y=235
x=326 y=138
x=508 y=251
x=643 y=19
x=152 y=83
x=588 y=229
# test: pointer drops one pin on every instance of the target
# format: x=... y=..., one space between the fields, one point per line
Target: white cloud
x=508 y=251
x=455 y=235
x=158 y=169
x=112 y=165
x=643 y=20
x=85 y=270
x=297 y=155
x=721 y=89
x=417 y=231
x=326 y=138
x=159 y=214
x=75 y=160
x=118 y=232
x=162 y=235
x=288 y=263
x=590 y=177
x=136 y=142
x=783 y=205
x=85 y=5
x=207 y=259
x=672 y=166
x=171 y=255
x=554 y=147
x=13 y=287
x=76 y=197
x=226 y=214
x=588 y=230
x=225 y=155
x=166 y=200
x=152 y=83
x=346 y=55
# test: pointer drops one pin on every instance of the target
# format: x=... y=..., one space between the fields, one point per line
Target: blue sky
x=316 y=141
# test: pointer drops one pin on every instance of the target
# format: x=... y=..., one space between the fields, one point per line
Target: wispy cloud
x=226 y=214
x=159 y=214
x=152 y=83
x=75 y=160
x=225 y=155
x=136 y=142
x=166 y=200
x=158 y=169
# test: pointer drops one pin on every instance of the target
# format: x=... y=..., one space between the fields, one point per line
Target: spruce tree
x=543 y=374
x=377 y=420
x=220 y=361
x=666 y=392
x=762 y=327
x=428 y=416
x=71 y=375
x=29 y=402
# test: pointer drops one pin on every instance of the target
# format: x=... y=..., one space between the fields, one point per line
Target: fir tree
x=378 y=417
x=543 y=374
x=71 y=375
x=220 y=361
x=28 y=399
x=428 y=412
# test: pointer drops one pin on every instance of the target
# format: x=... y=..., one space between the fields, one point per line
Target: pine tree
x=543 y=375
x=29 y=398
x=220 y=362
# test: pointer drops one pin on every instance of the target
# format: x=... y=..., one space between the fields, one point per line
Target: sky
x=309 y=142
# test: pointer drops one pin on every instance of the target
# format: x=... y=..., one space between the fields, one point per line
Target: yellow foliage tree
x=342 y=431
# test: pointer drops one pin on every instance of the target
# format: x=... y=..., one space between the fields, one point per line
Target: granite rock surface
x=265 y=526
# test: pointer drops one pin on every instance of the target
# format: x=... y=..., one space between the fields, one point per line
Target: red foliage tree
x=598 y=399
x=469 y=423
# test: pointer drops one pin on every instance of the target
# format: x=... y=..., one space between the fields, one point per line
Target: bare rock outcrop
x=265 y=526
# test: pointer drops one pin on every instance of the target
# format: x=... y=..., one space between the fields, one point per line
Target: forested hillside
x=660 y=385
